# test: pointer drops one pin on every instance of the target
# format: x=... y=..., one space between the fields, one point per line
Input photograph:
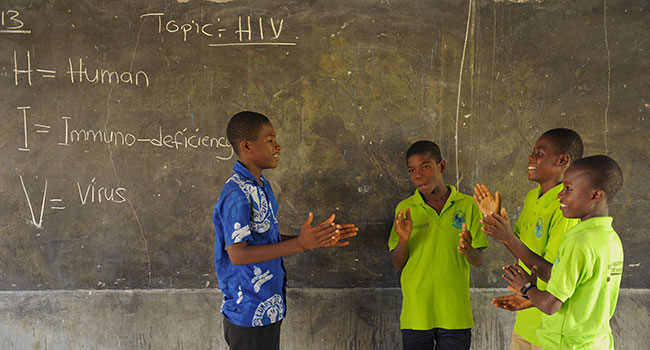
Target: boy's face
x=543 y=162
x=264 y=151
x=425 y=172
x=577 y=197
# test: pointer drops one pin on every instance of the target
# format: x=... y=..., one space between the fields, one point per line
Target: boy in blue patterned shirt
x=248 y=244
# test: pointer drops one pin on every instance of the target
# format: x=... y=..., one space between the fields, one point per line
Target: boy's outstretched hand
x=513 y=302
x=498 y=226
x=403 y=226
x=346 y=231
x=486 y=201
x=321 y=235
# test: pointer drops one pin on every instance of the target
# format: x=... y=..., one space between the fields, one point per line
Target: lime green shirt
x=435 y=278
x=586 y=277
x=540 y=227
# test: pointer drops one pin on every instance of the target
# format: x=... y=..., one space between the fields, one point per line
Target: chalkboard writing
x=114 y=148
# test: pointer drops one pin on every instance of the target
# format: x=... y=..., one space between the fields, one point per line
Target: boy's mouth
x=562 y=205
x=276 y=156
x=532 y=167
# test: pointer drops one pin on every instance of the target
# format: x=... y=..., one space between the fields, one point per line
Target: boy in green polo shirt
x=584 y=282
x=435 y=236
x=541 y=224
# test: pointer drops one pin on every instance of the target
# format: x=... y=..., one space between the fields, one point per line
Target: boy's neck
x=437 y=198
x=550 y=183
x=256 y=171
x=602 y=209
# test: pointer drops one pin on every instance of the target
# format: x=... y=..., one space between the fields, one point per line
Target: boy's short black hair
x=603 y=172
x=424 y=147
x=566 y=141
x=244 y=126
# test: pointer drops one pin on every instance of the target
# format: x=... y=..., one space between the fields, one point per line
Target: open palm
x=486 y=201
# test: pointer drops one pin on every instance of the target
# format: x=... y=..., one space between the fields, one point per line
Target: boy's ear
x=443 y=166
x=598 y=195
x=564 y=160
x=245 y=146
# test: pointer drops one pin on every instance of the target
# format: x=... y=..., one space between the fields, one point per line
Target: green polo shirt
x=435 y=278
x=586 y=277
x=540 y=227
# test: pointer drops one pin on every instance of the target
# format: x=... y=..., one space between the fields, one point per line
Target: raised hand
x=487 y=203
x=513 y=302
x=465 y=242
x=320 y=235
x=403 y=226
x=517 y=277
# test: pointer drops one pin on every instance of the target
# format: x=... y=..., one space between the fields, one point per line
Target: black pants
x=252 y=338
x=437 y=338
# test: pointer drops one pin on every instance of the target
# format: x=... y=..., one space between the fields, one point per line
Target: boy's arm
x=473 y=255
x=403 y=227
x=543 y=300
x=498 y=226
x=318 y=236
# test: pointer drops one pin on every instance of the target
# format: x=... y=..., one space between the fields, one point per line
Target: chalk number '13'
x=10 y=19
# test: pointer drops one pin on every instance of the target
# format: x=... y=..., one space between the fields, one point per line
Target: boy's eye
x=427 y=166
x=410 y=171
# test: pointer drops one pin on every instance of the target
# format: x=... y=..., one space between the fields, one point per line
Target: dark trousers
x=437 y=339
x=252 y=338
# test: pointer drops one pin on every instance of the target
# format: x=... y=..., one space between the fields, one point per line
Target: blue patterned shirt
x=254 y=294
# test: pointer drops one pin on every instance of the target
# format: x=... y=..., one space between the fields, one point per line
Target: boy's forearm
x=474 y=256
x=544 y=301
x=400 y=254
x=529 y=258
x=286 y=237
x=244 y=254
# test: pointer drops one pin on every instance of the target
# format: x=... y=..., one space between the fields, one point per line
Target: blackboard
x=113 y=140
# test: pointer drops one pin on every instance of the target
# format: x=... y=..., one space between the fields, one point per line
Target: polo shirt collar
x=454 y=195
x=243 y=172
x=590 y=224
x=550 y=196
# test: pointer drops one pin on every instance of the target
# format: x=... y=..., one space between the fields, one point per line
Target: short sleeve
x=234 y=213
x=571 y=269
x=479 y=239
x=558 y=227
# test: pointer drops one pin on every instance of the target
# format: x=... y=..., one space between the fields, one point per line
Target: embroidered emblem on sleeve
x=272 y=308
x=260 y=278
x=240 y=232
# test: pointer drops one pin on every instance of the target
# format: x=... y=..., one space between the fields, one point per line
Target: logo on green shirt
x=459 y=218
x=538 y=228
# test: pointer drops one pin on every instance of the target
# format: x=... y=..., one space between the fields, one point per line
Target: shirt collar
x=242 y=171
x=454 y=195
x=550 y=196
x=589 y=224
